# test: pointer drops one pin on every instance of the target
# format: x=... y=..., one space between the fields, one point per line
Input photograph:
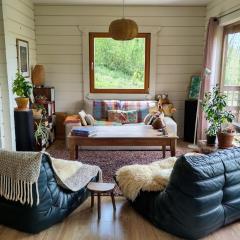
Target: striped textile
x=106 y=123
x=101 y=107
x=142 y=107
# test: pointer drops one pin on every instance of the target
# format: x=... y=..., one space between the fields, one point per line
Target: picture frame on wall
x=195 y=86
x=23 y=57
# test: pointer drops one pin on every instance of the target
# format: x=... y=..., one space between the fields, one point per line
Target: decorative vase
x=225 y=140
x=211 y=140
x=22 y=103
x=38 y=75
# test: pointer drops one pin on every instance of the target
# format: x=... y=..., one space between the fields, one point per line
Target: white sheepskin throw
x=152 y=177
x=74 y=175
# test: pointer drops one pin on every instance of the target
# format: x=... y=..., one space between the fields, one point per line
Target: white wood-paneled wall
x=18 y=22
x=216 y=7
x=3 y=76
x=179 y=47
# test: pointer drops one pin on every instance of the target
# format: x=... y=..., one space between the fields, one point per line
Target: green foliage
x=21 y=87
x=214 y=106
x=232 y=65
x=38 y=107
x=119 y=64
x=41 y=132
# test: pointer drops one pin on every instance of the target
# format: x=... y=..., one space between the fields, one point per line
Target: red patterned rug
x=111 y=161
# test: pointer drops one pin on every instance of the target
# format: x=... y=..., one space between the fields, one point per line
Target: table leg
x=76 y=151
x=92 y=199
x=113 y=201
x=164 y=151
x=72 y=152
x=173 y=147
x=99 y=205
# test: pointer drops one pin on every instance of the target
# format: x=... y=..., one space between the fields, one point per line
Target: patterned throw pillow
x=123 y=116
x=132 y=116
x=89 y=119
x=116 y=116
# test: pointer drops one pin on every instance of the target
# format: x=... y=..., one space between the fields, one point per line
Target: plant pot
x=37 y=114
x=22 y=102
x=211 y=140
x=225 y=140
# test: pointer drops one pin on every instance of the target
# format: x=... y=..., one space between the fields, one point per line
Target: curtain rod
x=224 y=15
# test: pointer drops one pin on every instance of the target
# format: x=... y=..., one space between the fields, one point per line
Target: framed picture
x=23 y=57
x=195 y=86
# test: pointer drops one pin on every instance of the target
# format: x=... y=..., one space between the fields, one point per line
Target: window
x=231 y=68
x=119 y=66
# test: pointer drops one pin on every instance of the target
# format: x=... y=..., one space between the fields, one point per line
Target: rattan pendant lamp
x=123 y=29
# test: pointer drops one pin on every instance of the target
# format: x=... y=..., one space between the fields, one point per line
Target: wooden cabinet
x=48 y=92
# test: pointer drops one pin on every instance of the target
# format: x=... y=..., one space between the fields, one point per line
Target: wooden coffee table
x=126 y=135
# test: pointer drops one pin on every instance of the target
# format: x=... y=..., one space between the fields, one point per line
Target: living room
x=132 y=104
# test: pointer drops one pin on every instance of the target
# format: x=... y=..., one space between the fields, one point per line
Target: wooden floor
x=125 y=225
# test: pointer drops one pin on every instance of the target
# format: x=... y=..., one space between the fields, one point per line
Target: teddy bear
x=165 y=106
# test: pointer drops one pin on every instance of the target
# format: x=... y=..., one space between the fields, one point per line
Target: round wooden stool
x=99 y=188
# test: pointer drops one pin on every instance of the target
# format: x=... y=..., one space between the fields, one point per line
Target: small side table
x=99 y=188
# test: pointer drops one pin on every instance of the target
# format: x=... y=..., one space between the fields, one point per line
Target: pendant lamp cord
x=123 y=9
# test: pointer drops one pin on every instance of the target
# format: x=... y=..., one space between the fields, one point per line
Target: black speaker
x=24 y=130
x=190 y=119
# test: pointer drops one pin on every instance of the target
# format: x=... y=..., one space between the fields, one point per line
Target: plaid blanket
x=142 y=108
x=107 y=123
x=101 y=107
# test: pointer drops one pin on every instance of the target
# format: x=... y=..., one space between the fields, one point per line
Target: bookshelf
x=49 y=105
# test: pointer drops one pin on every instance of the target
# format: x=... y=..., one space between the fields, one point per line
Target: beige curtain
x=206 y=71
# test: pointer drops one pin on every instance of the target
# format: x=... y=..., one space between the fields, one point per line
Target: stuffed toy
x=165 y=106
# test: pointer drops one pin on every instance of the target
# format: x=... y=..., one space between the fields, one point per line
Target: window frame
x=145 y=90
x=228 y=29
x=232 y=28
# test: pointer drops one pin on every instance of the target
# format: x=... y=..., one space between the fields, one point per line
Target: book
x=83 y=131
x=83 y=135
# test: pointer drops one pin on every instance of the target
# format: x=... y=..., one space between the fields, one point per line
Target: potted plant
x=211 y=134
x=41 y=99
x=38 y=110
x=214 y=106
x=22 y=88
x=225 y=137
x=41 y=134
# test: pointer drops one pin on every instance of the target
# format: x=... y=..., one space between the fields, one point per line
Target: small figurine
x=165 y=106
